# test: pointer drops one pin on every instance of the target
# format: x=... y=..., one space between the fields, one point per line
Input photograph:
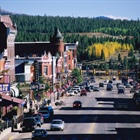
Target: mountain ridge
x=6 y=12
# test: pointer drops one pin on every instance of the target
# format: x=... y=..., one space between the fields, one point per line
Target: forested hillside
x=40 y=28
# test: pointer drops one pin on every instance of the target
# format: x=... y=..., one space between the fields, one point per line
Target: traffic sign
x=41 y=86
x=34 y=86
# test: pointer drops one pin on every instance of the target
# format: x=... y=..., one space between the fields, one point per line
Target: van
x=109 y=87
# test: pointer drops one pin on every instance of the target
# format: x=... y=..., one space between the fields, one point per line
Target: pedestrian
x=0 y=126
x=31 y=103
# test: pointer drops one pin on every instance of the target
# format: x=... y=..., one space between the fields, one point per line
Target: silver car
x=57 y=124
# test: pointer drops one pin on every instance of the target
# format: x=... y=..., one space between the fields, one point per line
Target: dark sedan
x=39 y=134
x=77 y=104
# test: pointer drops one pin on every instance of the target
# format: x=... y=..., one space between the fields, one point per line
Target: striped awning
x=8 y=100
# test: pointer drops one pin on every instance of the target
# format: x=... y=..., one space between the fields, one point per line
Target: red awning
x=8 y=100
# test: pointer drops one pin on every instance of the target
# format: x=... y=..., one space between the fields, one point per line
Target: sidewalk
x=26 y=110
x=5 y=132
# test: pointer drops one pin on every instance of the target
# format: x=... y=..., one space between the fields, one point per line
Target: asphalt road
x=98 y=119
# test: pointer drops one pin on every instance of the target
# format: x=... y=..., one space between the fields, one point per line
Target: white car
x=75 y=90
x=57 y=124
x=70 y=93
x=78 y=88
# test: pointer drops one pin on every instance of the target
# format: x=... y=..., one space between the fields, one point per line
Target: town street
x=97 y=119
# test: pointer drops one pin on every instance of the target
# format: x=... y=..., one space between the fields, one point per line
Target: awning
x=14 y=91
x=8 y=100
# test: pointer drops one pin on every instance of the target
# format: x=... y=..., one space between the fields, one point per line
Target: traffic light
x=94 y=71
x=81 y=71
x=107 y=72
x=119 y=72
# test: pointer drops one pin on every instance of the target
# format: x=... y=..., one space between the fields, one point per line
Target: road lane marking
x=11 y=138
x=92 y=126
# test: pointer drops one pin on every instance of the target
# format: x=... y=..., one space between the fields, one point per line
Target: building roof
x=6 y=19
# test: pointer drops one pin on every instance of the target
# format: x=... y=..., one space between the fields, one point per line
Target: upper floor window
x=45 y=70
x=69 y=57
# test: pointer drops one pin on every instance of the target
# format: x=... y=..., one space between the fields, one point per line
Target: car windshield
x=57 y=122
x=77 y=102
x=37 y=118
x=36 y=115
x=44 y=108
x=39 y=131
x=28 y=121
x=44 y=112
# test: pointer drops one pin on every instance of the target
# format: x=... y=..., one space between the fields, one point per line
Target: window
x=45 y=70
x=69 y=57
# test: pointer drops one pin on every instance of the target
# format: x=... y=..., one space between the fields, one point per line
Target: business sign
x=36 y=72
x=4 y=87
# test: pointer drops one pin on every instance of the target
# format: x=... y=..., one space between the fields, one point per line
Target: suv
x=121 y=90
x=101 y=84
x=47 y=108
x=109 y=86
x=29 y=124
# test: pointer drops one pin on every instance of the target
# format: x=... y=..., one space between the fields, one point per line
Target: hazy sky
x=77 y=8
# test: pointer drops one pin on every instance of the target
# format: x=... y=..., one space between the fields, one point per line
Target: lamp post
x=0 y=107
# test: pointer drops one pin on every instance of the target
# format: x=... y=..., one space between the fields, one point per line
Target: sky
x=122 y=9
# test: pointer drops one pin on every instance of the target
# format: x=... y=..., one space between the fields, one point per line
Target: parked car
x=83 y=92
x=77 y=104
x=29 y=124
x=39 y=134
x=70 y=93
x=75 y=90
x=78 y=88
x=57 y=124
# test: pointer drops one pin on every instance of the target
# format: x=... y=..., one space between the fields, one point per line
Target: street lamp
x=0 y=107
